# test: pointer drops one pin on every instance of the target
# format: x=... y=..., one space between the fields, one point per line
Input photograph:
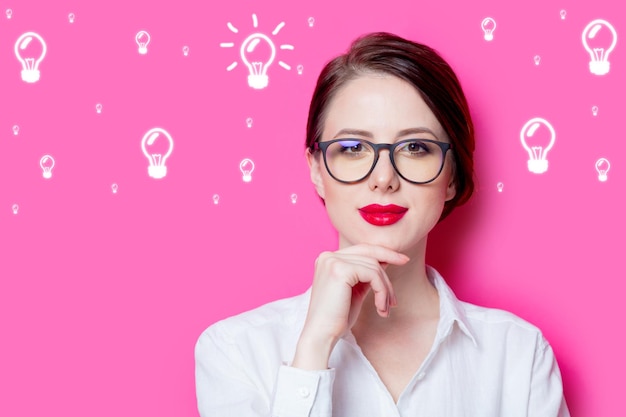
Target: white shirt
x=483 y=362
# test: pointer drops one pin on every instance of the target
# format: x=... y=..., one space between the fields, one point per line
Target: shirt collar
x=451 y=309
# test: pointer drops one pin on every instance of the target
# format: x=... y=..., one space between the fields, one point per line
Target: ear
x=315 y=168
x=451 y=190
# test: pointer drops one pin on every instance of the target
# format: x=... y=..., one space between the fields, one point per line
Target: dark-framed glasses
x=418 y=161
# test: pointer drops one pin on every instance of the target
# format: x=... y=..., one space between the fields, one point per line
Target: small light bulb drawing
x=114 y=188
x=216 y=199
x=249 y=122
x=488 y=25
x=300 y=69
x=15 y=208
x=143 y=39
x=98 y=108
x=30 y=49
x=16 y=130
x=541 y=135
x=500 y=187
x=246 y=167
x=602 y=166
x=537 y=59
x=594 y=110
x=9 y=13
x=311 y=21
x=257 y=78
x=294 y=198
x=185 y=50
x=157 y=151
x=563 y=13
x=47 y=163
x=599 y=39
x=71 y=17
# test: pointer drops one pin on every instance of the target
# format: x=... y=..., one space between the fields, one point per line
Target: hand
x=342 y=280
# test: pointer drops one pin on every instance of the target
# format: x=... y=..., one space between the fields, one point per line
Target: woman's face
x=382 y=109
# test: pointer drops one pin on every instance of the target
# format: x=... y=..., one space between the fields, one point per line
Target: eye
x=350 y=146
x=415 y=147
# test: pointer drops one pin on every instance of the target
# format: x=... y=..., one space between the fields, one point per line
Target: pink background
x=103 y=295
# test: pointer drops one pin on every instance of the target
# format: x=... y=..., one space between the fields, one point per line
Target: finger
x=380 y=253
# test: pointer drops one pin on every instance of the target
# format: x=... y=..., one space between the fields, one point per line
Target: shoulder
x=271 y=319
x=489 y=323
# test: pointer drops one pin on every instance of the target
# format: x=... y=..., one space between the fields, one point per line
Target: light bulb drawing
x=311 y=21
x=185 y=50
x=599 y=39
x=30 y=49
x=98 y=108
x=300 y=69
x=216 y=199
x=16 y=130
x=538 y=138
x=602 y=166
x=294 y=198
x=71 y=17
x=258 y=53
x=15 y=208
x=488 y=25
x=563 y=13
x=594 y=110
x=46 y=163
x=537 y=59
x=500 y=187
x=249 y=122
x=157 y=145
x=246 y=167
x=114 y=188
x=142 y=38
x=9 y=13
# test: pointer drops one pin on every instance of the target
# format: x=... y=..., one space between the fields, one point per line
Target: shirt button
x=420 y=376
x=304 y=392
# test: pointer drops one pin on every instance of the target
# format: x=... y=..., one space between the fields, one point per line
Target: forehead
x=380 y=104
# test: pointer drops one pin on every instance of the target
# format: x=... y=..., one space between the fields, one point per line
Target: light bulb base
x=603 y=177
x=247 y=177
x=30 y=75
x=143 y=50
x=489 y=37
x=157 y=172
x=258 y=81
x=538 y=166
x=599 y=67
x=47 y=175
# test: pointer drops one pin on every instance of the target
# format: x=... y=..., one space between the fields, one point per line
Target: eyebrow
x=367 y=134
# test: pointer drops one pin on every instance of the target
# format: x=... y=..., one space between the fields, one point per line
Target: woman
x=389 y=145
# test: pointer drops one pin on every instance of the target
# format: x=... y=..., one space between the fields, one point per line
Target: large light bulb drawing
x=599 y=39
x=143 y=39
x=157 y=146
x=246 y=167
x=46 y=163
x=30 y=49
x=488 y=25
x=257 y=66
x=602 y=166
x=257 y=52
x=537 y=137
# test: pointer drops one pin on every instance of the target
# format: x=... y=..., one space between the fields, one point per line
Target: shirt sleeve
x=227 y=384
x=546 y=391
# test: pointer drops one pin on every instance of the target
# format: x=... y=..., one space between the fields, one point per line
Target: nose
x=384 y=177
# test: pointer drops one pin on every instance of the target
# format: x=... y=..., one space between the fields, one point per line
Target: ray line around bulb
x=278 y=28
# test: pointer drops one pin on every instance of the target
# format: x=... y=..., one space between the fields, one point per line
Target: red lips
x=382 y=215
